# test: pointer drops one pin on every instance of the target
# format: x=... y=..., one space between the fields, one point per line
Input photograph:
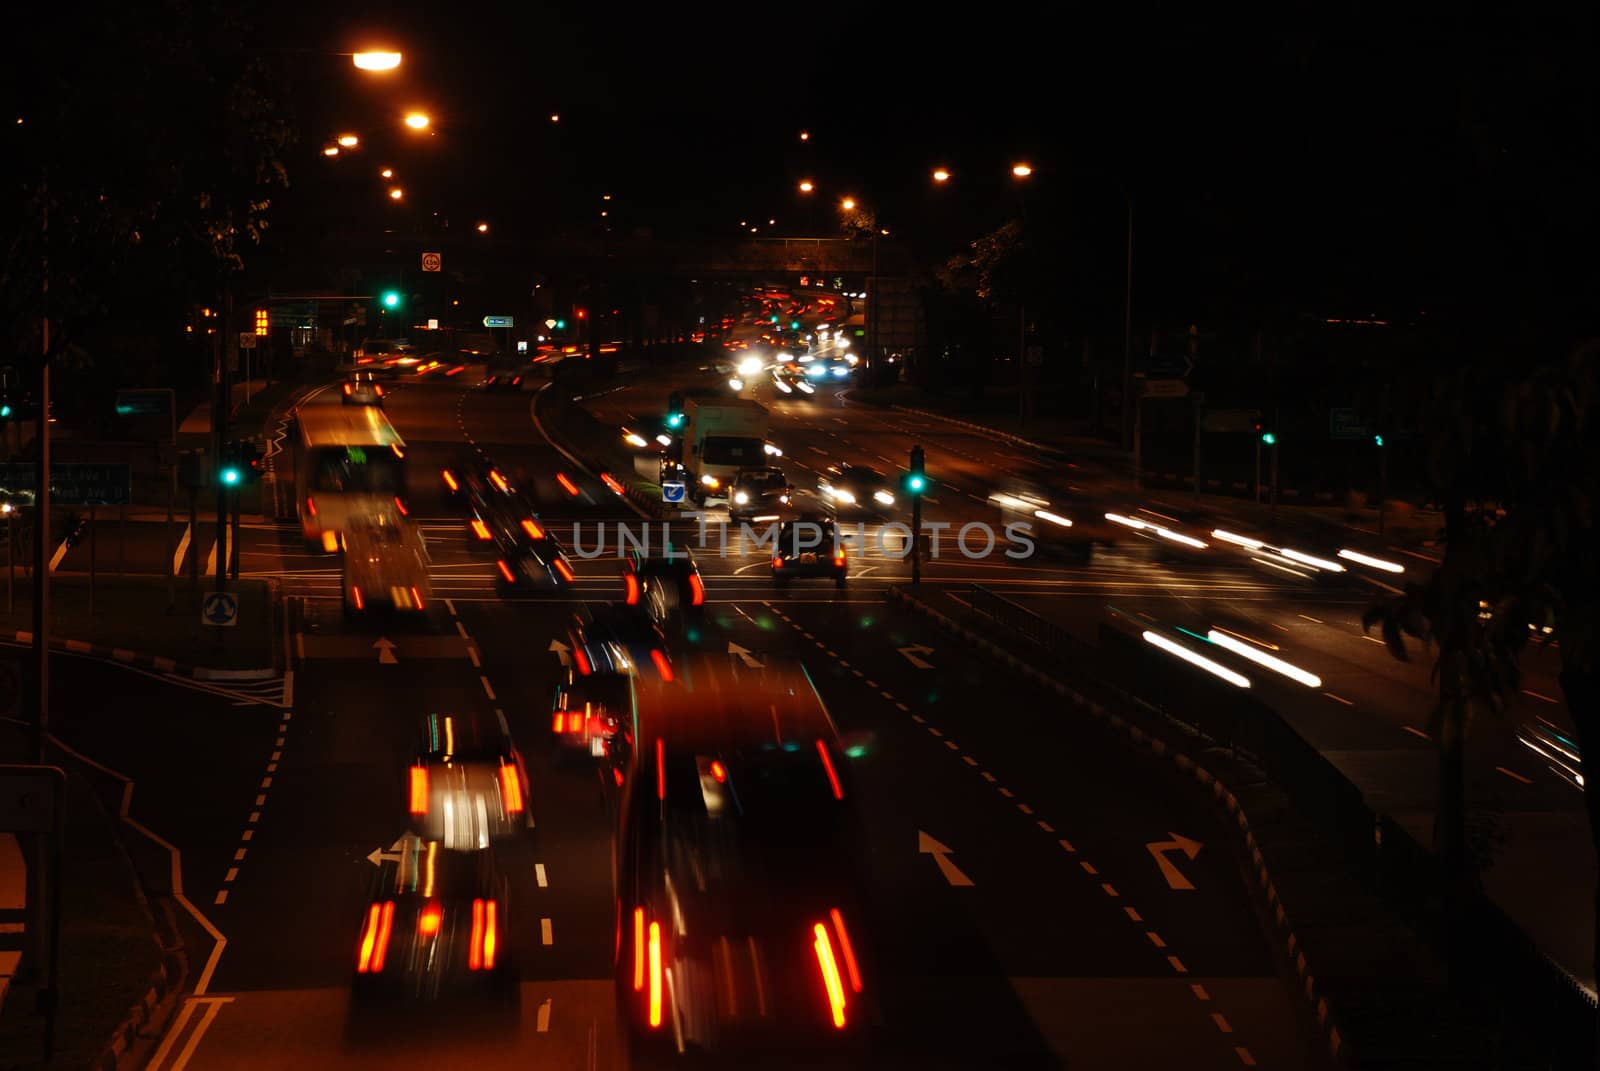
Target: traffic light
x=916 y=480
x=1377 y=440
x=561 y=325
x=391 y=299
x=675 y=414
x=794 y=325
x=239 y=465
x=263 y=322
x=1269 y=438
x=583 y=314
x=6 y=412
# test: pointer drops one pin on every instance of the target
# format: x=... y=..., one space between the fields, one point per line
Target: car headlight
x=844 y=496
x=883 y=497
x=741 y=499
x=817 y=370
x=736 y=384
x=806 y=387
x=750 y=366
x=841 y=371
x=711 y=481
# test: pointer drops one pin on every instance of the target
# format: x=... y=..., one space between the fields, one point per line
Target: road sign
x=499 y=321
x=293 y=314
x=522 y=345
x=10 y=688
x=247 y=340
x=1165 y=388
x=673 y=491
x=71 y=483
x=1230 y=420
x=220 y=609
x=1034 y=355
x=1347 y=424
x=432 y=262
x=1164 y=366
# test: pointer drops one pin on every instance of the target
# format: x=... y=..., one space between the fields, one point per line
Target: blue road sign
x=672 y=491
x=221 y=609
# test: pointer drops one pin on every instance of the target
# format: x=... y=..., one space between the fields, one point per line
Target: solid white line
x=463 y=630
x=212 y=1007
x=61 y=552
x=176 y=879
x=211 y=560
x=487 y=690
x=183 y=548
x=545 y=936
x=472 y=654
x=451 y=606
x=288 y=687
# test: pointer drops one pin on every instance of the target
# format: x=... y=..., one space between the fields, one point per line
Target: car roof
x=469 y=736
x=426 y=868
x=718 y=703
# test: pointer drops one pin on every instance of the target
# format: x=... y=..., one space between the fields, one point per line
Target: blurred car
x=467 y=784
x=617 y=639
x=435 y=925
x=809 y=545
x=385 y=565
x=529 y=558
x=386 y=355
x=1173 y=537
x=856 y=486
x=667 y=587
x=790 y=378
x=494 y=509
x=740 y=908
x=587 y=714
x=758 y=492
x=362 y=388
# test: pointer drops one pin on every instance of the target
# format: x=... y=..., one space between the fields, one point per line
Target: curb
x=1277 y=921
x=146 y=661
x=641 y=504
x=163 y=984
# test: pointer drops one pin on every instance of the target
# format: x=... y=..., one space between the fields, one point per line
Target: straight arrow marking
x=941 y=856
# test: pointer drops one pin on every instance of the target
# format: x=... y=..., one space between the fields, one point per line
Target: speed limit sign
x=432 y=261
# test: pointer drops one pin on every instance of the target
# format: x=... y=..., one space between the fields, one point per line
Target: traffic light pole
x=219 y=424
x=916 y=539
x=233 y=548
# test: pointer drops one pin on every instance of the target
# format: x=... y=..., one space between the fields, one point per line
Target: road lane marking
x=1222 y=1023
x=1374 y=639
x=1177 y=965
x=934 y=731
x=1200 y=992
x=463 y=630
x=969 y=760
x=277 y=754
x=472 y=655
x=238 y=855
x=1155 y=938
x=288 y=689
x=545 y=936
x=261 y=801
x=1133 y=915
x=544 y=1016
x=902 y=706
x=249 y=834
x=213 y=1004
x=211 y=560
x=266 y=782
x=486 y=689
x=1109 y=889
x=989 y=777
x=183 y=548
x=1006 y=792
x=539 y=875
x=1416 y=732
x=255 y=816
x=1546 y=698
x=1088 y=868
x=1515 y=776
x=232 y=873
x=1414 y=554
x=451 y=606
x=1313 y=620
x=1340 y=699
x=222 y=898
x=1046 y=826
x=1024 y=808
x=1244 y=1056
x=1067 y=846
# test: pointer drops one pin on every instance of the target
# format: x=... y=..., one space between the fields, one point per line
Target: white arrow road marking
x=941 y=856
x=385 y=648
x=913 y=651
x=561 y=650
x=377 y=856
x=1158 y=850
x=744 y=655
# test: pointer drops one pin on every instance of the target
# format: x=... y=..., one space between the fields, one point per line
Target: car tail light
x=533 y=529
x=830 y=973
x=400 y=505
x=475 y=947
x=719 y=772
x=664 y=667
x=347 y=388
x=838 y=556
x=450 y=481
x=777 y=562
x=566 y=485
x=430 y=920
x=833 y=775
x=311 y=505
x=661 y=769
x=377 y=390
x=638 y=949
x=655 y=974
x=583 y=661
x=632 y=584
x=565 y=570
x=416 y=599
x=480 y=529
x=355 y=593
x=556 y=724
x=491 y=933
x=847 y=951
x=375 y=938
x=511 y=787
x=499 y=480
x=611 y=482
x=505 y=571
x=419 y=790
x=697 y=590
x=516 y=381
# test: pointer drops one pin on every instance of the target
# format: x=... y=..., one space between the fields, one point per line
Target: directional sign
x=522 y=345
x=561 y=651
x=499 y=321
x=1178 y=843
x=673 y=491
x=247 y=340
x=1164 y=366
x=912 y=652
x=551 y=324
x=1347 y=424
x=1165 y=388
x=385 y=647
x=432 y=262
x=941 y=856
x=220 y=609
x=71 y=483
x=744 y=655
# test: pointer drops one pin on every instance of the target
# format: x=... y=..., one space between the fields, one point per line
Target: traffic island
x=112 y=967
x=131 y=621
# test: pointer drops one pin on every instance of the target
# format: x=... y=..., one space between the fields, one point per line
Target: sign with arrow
x=911 y=655
x=744 y=655
x=385 y=648
x=941 y=856
x=1179 y=843
x=220 y=609
x=377 y=857
x=561 y=650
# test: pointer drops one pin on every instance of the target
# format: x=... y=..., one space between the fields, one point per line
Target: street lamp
x=806 y=186
x=941 y=175
x=1021 y=170
x=376 y=61
x=555 y=117
x=848 y=204
x=387 y=172
x=417 y=120
x=331 y=150
x=349 y=141
x=396 y=194
x=483 y=228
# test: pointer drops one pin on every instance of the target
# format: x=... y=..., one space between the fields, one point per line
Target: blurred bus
x=351 y=462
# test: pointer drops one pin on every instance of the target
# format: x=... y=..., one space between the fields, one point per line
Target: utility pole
x=1129 y=420
x=219 y=425
x=41 y=509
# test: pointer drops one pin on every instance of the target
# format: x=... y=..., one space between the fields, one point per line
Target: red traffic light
x=583 y=314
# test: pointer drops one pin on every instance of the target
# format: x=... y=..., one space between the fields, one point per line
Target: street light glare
x=331 y=150
x=555 y=117
x=377 y=61
x=396 y=193
x=941 y=175
x=483 y=228
x=805 y=135
x=387 y=172
x=848 y=204
x=806 y=186
x=1021 y=170
x=417 y=121
x=349 y=141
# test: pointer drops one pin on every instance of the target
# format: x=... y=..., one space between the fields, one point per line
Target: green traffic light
x=1377 y=440
x=561 y=325
x=230 y=476
x=916 y=484
x=391 y=299
x=794 y=325
x=675 y=420
x=5 y=411
x=774 y=319
x=1269 y=438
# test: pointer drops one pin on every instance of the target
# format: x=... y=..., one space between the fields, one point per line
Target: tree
x=1530 y=442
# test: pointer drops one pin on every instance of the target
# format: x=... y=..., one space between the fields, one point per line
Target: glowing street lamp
x=417 y=120
x=805 y=135
x=349 y=141
x=387 y=172
x=377 y=61
x=331 y=150
x=396 y=194
x=806 y=186
x=483 y=228
x=1021 y=170
x=555 y=117
x=941 y=175
x=848 y=204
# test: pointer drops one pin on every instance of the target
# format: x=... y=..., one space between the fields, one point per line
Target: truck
x=720 y=437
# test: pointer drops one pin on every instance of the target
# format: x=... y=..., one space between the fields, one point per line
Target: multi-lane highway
x=1041 y=895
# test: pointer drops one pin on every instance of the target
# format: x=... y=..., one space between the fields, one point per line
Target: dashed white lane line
x=543 y=1024
x=1339 y=699
x=1109 y=889
x=488 y=691
x=1155 y=938
x=1133 y=916
x=1313 y=620
x=232 y=873
x=472 y=656
x=1046 y=826
x=1177 y=965
x=1200 y=992
x=1244 y=1056
x=1088 y=868
x=238 y=855
x=1416 y=732
x=1538 y=695
x=545 y=936
x=1515 y=776
x=1222 y=1022
x=539 y=875
x=463 y=630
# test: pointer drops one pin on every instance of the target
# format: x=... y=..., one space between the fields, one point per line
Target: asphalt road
x=1030 y=876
